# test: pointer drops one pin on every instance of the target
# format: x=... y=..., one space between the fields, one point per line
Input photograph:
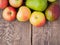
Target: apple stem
x=10 y=13
x=36 y=17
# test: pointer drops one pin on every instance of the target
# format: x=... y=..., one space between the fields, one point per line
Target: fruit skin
x=3 y=4
x=38 y=5
x=53 y=12
x=16 y=3
x=23 y=13
x=9 y=14
x=51 y=0
x=37 y=19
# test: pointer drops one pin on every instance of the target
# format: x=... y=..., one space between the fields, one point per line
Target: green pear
x=38 y=5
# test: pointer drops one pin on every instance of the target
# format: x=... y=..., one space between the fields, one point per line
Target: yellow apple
x=16 y=3
x=23 y=13
x=37 y=19
x=52 y=0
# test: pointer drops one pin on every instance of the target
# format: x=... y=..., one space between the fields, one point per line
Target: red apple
x=9 y=13
x=3 y=4
x=53 y=12
x=16 y=3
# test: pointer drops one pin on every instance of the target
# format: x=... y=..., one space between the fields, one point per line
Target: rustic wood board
x=23 y=33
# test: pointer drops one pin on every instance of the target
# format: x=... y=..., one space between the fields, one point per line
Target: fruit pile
x=36 y=11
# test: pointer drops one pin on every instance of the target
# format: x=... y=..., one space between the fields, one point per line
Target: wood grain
x=14 y=33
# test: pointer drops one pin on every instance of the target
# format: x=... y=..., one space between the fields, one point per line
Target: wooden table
x=23 y=33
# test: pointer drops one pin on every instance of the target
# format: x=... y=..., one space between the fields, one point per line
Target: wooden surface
x=20 y=33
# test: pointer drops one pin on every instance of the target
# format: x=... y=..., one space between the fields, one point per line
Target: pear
x=38 y=5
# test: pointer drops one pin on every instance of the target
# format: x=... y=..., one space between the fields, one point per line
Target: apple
x=3 y=4
x=9 y=13
x=52 y=0
x=37 y=19
x=23 y=13
x=53 y=12
x=16 y=3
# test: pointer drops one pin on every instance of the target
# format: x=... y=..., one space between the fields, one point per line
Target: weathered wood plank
x=22 y=33
x=14 y=33
x=47 y=35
